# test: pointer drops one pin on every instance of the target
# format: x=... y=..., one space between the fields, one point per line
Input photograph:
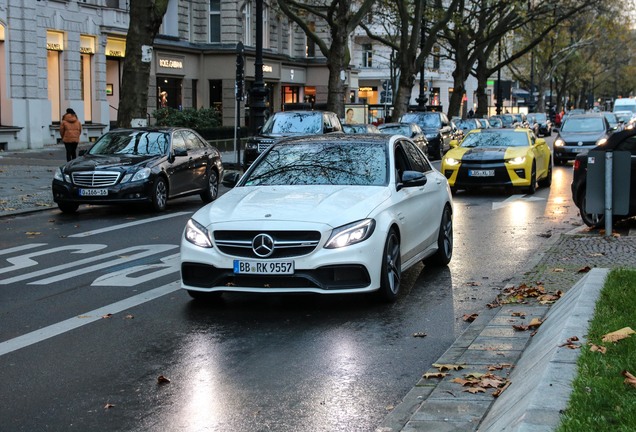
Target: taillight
x=577 y=164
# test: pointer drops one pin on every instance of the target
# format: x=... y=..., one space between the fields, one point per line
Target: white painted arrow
x=514 y=198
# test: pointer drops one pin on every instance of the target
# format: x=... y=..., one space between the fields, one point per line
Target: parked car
x=289 y=123
x=304 y=219
x=540 y=124
x=507 y=120
x=409 y=130
x=436 y=127
x=499 y=157
x=614 y=122
x=359 y=128
x=466 y=125
x=141 y=165
x=520 y=120
x=578 y=134
x=623 y=140
x=495 y=122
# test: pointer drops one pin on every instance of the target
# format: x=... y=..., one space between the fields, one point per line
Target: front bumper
x=570 y=152
x=351 y=269
x=464 y=175
x=133 y=192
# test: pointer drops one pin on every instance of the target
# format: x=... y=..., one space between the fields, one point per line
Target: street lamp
x=499 y=89
x=422 y=99
x=258 y=90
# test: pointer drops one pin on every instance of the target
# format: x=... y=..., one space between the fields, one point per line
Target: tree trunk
x=145 y=20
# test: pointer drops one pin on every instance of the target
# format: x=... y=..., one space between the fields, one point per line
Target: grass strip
x=601 y=400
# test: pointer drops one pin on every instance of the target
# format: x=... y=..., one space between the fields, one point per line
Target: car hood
x=581 y=136
x=109 y=162
x=330 y=205
x=486 y=153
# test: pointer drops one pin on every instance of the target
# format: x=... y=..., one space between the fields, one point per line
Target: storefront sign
x=87 y=45
x=268 y=68
x=54 y=41
x=171 y=63
x=115 y=47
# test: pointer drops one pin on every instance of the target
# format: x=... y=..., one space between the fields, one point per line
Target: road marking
x=129 y=224
x=20 y=248
x=126 y=277
x=515 y=198
x=85 y=318
x=123 y=254
x=23 y=261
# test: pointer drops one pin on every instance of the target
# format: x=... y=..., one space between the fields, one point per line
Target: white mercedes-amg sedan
x=327 y=214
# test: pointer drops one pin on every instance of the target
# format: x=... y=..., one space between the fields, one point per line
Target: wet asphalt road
x=251 y=363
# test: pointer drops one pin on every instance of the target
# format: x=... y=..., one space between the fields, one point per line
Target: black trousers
x=71 y=150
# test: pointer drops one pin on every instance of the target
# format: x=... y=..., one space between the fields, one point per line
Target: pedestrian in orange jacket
x=70 y=131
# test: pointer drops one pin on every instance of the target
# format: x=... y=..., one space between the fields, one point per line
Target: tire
x=212 y=189
x=593 y=220
x=68 y=208
x=205 y=296
x=159 y=196
x=444 y=241
x=391 y=272
x=533 y=180
x=547 y=181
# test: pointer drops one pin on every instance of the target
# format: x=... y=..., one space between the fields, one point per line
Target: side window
x=326 y=124
x=416 y=157
x=628 y=144
x=444 y=119
x=401 y=162
x=335 y=123
x=193 y=143
x=178 y=142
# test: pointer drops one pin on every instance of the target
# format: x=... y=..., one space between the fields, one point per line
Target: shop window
x=290 y=94
x=54 y=88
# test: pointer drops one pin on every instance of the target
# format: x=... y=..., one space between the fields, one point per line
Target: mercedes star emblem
x=263 y=245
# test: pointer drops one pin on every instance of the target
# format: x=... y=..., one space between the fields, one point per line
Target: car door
x=179 y=175
x=197 y=159
x=629 y=144
x=541 y=153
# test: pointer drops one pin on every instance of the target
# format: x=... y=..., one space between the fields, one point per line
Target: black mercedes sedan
x=140 y=165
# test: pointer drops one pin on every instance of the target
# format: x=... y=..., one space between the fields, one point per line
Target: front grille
x=501 y=173
x=263 y=146
x=329 y=278
x=286 y=243
x=95 y=178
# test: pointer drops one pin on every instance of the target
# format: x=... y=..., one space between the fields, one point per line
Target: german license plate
x=578 y=150
x=264 y=267
x=481 y=173
x=93 y=192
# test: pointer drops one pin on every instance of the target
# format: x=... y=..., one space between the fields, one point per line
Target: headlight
x=142 y=174
x=251 y=145
x=559 y=142
x=451 y=161
x=197 y=234
x=58 y=175
x=351 y=234
x=601 y=141
x=519 y=160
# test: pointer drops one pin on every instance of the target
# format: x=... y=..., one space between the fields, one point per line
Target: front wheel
x=212 y=189
x=391 y=268
x=68 y=207
x=547 y=180
x=444 y=241
x=159 y=194
x=532 y=188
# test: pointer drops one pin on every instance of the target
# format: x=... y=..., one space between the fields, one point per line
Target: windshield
x=322 y=163
x=501 y=138
x=585 y=124
x=293 y=123
x=425 y=121
x=539 y=118
x=131 y=143
x=468 y=124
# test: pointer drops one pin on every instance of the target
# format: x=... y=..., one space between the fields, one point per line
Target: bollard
x=608 y=193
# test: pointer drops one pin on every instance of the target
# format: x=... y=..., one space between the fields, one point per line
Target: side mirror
x=230 y=179
x=412 y=179
x=180 y=152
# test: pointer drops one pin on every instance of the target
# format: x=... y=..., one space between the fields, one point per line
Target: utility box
x=621 y=180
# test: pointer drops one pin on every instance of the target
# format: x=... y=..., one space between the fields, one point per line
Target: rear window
x=425 y=121
x=293 y=123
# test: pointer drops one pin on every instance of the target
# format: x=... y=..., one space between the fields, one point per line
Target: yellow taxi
x=498 y=157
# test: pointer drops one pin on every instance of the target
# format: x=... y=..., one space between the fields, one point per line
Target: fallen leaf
x=518 y=314
x=474 y=390
x=107 y=316
x=475 y=284
x=598 y=348
x=108 y=406
x=475 y=375
x=33 y=233
x=629 y=378
x=584 y=269
x=129 y=316
x=419 y=334
x=498 y=392
x=618 y=335
x=162 y=380
x=445 y=367
x=535 y=322
x=429 y=375
x=558 y=270
x=462 y=381
x=499 y=366
x=470 y=317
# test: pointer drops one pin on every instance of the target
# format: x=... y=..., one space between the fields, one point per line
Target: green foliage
x=190 y=117
x=601 y=400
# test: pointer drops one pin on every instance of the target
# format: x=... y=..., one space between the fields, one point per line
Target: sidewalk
x=538 y=369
